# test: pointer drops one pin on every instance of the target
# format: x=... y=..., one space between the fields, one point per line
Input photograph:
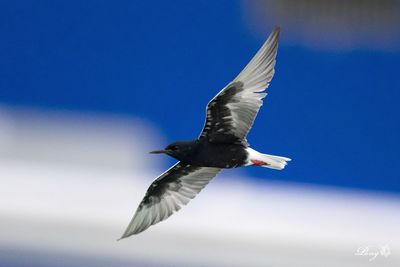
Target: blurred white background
x=70 y=183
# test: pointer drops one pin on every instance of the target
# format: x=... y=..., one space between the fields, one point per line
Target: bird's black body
x=219 y=145
x=203 y=153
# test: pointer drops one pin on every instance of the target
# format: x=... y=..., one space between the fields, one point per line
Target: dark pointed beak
x=162 y=151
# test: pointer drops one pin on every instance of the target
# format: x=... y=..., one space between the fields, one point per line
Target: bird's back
x=220 y=155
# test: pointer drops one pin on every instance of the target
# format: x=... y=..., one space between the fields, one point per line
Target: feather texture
x=168 y=193
x=231 y=113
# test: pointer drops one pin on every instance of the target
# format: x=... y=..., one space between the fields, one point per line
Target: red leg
x=258 y=162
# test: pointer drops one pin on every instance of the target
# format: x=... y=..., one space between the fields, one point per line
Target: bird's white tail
x=256 y=158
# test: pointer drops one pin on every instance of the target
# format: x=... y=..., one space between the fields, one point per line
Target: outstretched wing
x=168 y=193
x=231 y=113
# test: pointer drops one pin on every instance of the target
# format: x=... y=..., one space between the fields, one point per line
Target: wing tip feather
x=152 y=212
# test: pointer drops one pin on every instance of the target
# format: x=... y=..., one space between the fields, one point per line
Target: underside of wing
x=168 y=193
x=231 y=113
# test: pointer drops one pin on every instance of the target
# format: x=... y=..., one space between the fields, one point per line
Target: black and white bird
x=221 y=144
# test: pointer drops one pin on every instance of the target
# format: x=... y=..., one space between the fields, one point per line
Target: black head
x=179 y=150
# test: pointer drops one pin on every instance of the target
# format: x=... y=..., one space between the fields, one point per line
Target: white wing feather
x=248 y=94
x=168 y=193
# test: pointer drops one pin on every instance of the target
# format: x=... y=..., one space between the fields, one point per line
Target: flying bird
x=221 y=144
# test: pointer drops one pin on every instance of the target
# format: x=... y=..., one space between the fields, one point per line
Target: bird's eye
x=173 y=147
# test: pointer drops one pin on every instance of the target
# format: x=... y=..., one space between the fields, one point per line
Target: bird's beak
x=162 y=151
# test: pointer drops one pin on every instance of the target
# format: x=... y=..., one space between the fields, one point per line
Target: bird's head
x=178 y=150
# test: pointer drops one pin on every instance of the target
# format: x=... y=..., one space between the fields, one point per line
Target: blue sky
x=334 y=112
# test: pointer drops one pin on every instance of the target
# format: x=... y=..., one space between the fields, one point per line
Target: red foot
x=258 y=162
